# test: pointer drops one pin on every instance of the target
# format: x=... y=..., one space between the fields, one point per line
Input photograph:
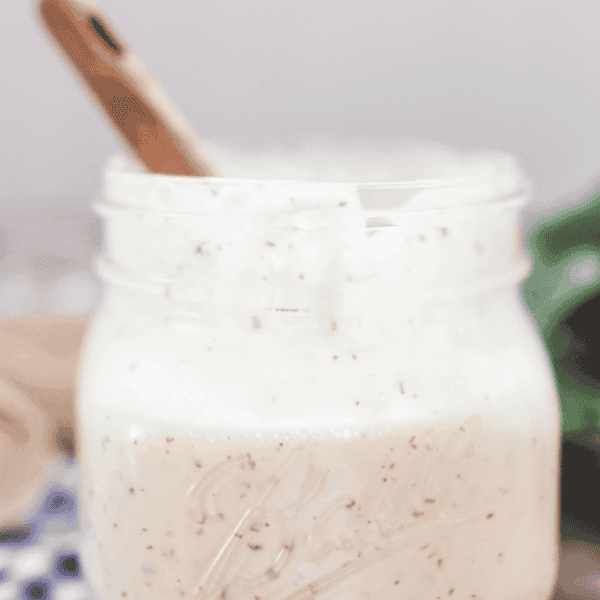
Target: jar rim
x=233 y=198
x=454 y=180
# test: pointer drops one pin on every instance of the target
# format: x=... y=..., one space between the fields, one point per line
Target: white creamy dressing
x=264 y=256
x=363 y=344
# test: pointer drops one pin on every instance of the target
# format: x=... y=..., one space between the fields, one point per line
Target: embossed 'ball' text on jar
x=297 y=390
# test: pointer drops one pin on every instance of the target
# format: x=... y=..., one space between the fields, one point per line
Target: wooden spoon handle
x=136 y=105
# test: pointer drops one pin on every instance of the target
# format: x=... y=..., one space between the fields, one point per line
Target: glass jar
x=297 y=390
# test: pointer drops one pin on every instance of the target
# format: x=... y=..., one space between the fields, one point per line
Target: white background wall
x=520 y=75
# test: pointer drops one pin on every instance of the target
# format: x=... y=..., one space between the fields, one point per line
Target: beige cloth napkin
x=38 y=361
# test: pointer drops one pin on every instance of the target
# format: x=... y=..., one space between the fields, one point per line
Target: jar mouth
x=304 y=235
x=419 y=179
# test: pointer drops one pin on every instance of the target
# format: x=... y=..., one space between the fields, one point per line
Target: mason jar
x=297 y=389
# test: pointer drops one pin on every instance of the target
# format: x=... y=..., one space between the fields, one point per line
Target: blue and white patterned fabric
x=40 y=559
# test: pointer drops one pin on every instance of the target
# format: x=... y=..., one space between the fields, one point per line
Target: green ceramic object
x=565 y=252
